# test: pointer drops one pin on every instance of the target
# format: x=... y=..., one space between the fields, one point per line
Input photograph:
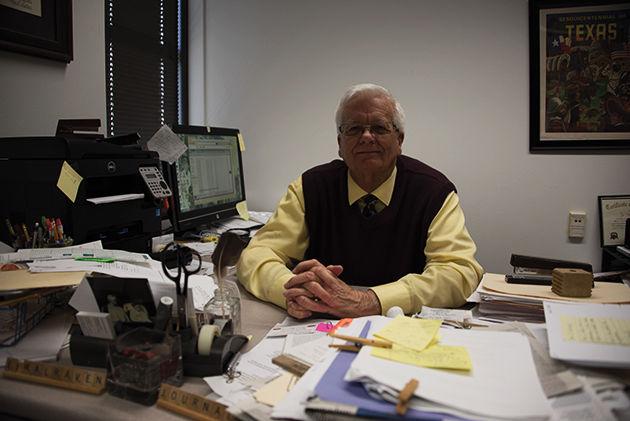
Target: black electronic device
x=30 y=168
x=207 y=180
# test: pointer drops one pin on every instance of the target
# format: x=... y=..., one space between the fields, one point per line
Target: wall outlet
x=577 y=224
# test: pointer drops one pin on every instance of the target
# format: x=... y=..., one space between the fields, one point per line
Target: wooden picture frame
x=579 y=76
x=40 y=28
x=613 y=212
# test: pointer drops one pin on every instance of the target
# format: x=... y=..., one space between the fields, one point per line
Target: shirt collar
x=383 y=192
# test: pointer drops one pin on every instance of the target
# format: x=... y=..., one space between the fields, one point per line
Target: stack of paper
x=502 y=383
x=503 y=301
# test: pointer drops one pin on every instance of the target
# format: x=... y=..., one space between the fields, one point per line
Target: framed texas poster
x=579 y=75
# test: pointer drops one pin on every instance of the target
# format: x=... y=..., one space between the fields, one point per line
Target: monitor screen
x=207 y=180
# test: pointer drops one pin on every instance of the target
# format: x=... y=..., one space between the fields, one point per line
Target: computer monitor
x=207 y=180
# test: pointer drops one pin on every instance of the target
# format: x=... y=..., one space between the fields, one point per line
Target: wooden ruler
x=67 y=377
x=190 y=405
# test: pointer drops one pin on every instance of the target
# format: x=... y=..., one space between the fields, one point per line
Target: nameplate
x=190 y=405
x=290 y=364
x=56 y=375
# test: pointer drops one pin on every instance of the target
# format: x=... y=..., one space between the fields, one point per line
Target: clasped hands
x=316 y=288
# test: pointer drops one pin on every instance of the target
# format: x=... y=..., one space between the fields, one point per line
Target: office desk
x=38 y=402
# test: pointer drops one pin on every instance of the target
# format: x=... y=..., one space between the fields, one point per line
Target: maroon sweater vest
x=388 y=245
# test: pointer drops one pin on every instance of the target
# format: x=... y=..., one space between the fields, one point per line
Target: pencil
x=378 y=343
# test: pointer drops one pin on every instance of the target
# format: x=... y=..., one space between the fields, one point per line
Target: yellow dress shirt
x=450 y=275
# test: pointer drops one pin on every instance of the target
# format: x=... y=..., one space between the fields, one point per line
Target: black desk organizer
x=92 y=352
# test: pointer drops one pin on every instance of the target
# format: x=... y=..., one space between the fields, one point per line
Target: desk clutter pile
x=190 y=332
x=438 y=364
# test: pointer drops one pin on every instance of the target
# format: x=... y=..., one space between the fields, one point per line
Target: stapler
x=538 y=270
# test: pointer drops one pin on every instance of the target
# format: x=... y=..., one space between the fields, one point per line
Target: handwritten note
x=416 y=334
x=69 y=181
x=599 y=330
x=435 y=356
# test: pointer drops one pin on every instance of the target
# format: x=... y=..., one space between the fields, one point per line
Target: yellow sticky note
x=599 y=330
x=411 y=333
x=241 y=208
x=69 y=181
x=241 y=142
x=435 y=356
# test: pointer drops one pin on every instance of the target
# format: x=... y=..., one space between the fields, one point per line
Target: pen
x=54 y=229
x=60 y=229
x=27 y=238
x=10 y=228
x=95 y=259
x=35 y=232
x=378 y=343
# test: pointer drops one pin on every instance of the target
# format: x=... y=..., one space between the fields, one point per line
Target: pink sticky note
x=324 y=327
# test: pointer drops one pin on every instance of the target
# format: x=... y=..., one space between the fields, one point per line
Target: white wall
x=276 y=69
x=36 y=92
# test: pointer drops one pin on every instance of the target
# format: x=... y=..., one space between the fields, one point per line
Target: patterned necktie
x=369 y=202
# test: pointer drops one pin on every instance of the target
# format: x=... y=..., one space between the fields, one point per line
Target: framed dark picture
x=579 y=75
x=37 y=27
x=613 y=212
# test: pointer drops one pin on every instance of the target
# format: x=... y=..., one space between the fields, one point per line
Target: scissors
x=184 y=255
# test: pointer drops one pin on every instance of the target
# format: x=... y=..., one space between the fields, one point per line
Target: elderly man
x=375 y=219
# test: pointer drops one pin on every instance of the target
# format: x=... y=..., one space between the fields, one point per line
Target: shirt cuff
x=391 y=295
x=276 y=289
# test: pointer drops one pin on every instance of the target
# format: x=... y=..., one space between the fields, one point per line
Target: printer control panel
x=155 y=182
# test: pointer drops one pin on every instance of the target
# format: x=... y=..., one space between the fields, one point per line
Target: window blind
x=144 y=65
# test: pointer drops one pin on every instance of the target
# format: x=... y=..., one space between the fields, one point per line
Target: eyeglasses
x=377 y=129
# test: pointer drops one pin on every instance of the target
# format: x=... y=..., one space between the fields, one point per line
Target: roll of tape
x=205 y=339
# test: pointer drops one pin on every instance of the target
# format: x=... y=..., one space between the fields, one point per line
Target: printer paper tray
x=117 y=198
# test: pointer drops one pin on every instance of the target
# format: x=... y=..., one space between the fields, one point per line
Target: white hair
x=361 y=88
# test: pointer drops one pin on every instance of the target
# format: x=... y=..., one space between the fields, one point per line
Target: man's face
x=369 y=152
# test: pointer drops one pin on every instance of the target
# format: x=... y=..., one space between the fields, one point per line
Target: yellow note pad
x=241 y=142
x=241 y=208
x=435 y=356
x=599 y=330
x=412 y=333
x=69 y=181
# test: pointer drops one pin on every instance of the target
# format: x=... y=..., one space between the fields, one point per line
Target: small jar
x=224 y=310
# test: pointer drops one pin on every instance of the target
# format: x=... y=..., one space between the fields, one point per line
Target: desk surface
x=38 y=402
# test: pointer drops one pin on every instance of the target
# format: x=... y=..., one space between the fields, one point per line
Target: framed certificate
x=613 y=212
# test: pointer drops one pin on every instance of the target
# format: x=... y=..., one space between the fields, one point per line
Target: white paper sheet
x=69 y=253
x=203 y=288
x=585 y=353
x=167 y=144
x=309 y=348
x=255 y=368
x=502 y=383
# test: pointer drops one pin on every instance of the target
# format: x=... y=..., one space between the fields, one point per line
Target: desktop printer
x=30 y=169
